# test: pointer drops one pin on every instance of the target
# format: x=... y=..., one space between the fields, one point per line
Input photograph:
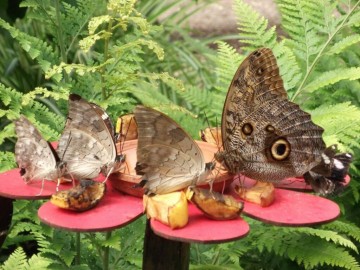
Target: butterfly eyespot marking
x=270 y=128
x=247 y=129
x=280 y=149
x=257 y=53
x=260 y=71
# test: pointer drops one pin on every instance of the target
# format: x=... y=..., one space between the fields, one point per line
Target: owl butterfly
x=268 y=138
x=87 y=142
x=167 y=157
x=36 y=158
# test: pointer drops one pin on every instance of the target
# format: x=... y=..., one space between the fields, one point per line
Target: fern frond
x=228 y=61
x=328 y=236
x=37 y=262
x=312 y=253
x=331 y=77
x=36 y=48
x=17 y=260
x=112 y=242
x=40 y=91
x=344 y=227
x=288 y=66
x=253 y=28
x=7 y=160
x=343 y=44
x=341 y=120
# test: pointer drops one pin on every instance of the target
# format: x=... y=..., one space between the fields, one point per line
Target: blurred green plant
x=121 y=53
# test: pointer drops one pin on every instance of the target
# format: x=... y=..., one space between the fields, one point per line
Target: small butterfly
x=167 y=157
x=87 y=142
x=36 y=158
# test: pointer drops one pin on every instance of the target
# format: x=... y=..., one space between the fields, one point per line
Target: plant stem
x=60 y=37
x=106 y=253
x=320 y=53
x=78 y=255
x=106 y=55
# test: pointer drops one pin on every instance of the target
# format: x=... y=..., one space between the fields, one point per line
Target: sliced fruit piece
x=262 y=193
x=170 y=209
x=82 y=197
x=215 y=205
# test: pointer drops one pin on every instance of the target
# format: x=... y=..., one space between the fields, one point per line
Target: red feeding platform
x=13 y=186
x=201 y=229
x=292 y=208
x=114 y=211
x=298 y=183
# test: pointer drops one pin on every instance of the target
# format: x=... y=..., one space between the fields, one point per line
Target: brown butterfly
x=87 y=142
x=168 y=158
x=36 y=158
x=265 y=136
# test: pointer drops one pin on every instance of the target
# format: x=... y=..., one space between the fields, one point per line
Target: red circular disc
x=201 y=229
x=13 y=186
x=298 y=183
x=115 y=210
x=292 y=208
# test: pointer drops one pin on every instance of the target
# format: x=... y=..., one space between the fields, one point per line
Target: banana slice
x=262 y=193
x=82 y=197
x=170 y=209
x=215 y=205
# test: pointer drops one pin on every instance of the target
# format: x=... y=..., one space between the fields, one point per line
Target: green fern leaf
x=17 y=260
x=329 y=236
x=37 y=262
x=228 y=61
x=344 y=43
x=344 y=227
x=253 y=28
x=341 y=120
x=333 y=76
x=7 y=160
x=314 y=253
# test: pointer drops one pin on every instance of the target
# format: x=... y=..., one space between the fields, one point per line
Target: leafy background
x=118 y=54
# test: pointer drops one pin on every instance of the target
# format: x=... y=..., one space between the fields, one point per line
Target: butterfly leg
x=42 y=187
x=107 y=176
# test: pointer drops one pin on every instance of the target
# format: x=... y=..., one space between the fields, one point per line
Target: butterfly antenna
x=66 y=146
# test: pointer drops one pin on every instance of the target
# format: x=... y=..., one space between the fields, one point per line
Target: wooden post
x=5 y=217
x=160 y=253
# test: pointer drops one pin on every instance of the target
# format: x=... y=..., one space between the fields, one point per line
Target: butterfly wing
x=265 y=136
x=35 y=157
x=167 y=156
x=87 y=143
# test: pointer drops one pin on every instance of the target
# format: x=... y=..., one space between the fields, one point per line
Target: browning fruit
x=170 y=209
x=215 y=205
x=261 y=193
x=80 y=198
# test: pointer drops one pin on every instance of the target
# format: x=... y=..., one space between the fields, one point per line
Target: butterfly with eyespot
x=267 y=137
x=87 y=142
x=86 y=146
x=167 y=157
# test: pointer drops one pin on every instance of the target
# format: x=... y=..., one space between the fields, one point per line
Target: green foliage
x=117 y=54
